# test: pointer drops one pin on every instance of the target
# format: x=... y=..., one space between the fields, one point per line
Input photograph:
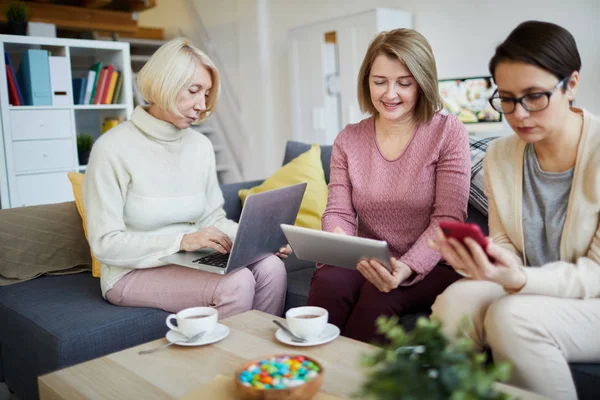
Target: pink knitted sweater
x=400 y=201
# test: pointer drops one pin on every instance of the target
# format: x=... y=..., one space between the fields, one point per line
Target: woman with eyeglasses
x=537 y=304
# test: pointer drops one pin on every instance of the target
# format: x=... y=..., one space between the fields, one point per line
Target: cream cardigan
x=577 y=274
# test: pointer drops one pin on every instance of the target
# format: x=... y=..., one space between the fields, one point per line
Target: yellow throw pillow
x=76 y=179
x=307 y=168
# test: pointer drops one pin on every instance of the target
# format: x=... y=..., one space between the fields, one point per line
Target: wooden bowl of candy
x=281 y=376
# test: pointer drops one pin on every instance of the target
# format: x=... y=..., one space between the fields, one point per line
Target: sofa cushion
x=292 y=264
x=294 y=149
x=41 y=240
x=476 y=195
x=233 y=203
x=63 y=320
x=587 y=380
x=1 y=367
x=298 y=287
x=307 y=167
x=76 y=179
x=474 y=216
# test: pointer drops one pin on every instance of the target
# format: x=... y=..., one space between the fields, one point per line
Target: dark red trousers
x=354 y=303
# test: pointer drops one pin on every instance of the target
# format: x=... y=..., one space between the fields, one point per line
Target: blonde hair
x=170 y=70
x=411 y=49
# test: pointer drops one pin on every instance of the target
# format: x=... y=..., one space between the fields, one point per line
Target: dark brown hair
x=411 y=49
x=543 y=44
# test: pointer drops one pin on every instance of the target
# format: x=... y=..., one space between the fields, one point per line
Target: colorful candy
x=280 y=372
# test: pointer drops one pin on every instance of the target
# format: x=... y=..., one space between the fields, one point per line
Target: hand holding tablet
x=335 y=248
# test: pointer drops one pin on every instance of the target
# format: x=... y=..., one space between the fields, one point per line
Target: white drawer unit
x=41 y=155
x=40 y=124
x=42 y=189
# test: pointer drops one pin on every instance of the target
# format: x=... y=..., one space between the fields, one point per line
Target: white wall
x=463 y=34
x=171 y=16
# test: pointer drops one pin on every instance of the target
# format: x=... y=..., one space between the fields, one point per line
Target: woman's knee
x=237 y=287
x=374 y=302
x=114 y=297
x=507 y=320
x=271 y=270
x=462 y=306
x=243 y=280
x=447 y=306
x=329 y=278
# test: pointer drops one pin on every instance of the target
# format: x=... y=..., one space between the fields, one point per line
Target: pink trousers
x=261 y=286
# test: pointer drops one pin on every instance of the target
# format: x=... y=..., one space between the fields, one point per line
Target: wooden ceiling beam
x=77 y=18
x=95 y=3
x=141 y=33
x=147 y=33
x=133 y=5
x=141 y=5
x=115 y=5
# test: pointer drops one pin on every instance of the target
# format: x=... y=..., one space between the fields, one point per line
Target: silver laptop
x=258 y=236
x=334 y=249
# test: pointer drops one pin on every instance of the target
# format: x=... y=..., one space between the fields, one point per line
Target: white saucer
x=220 y=332
x=331 y=332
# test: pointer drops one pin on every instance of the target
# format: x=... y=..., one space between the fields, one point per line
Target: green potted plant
x=422 y=364
x=84 y=147
x=17 y=17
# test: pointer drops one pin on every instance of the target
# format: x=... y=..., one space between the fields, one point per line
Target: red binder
x=99 y=86
x=13 y=94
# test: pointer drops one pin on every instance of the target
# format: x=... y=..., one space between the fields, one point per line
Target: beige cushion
x=39 y=240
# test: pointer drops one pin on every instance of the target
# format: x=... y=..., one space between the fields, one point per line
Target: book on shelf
x=107 y=72
x=59 y=80
x=104 y=89
x=119 y=85
x=34 y=78
x=89 y=86
x=96 y=68
x=79 y=90
x=13 y=95
x=43 y=80
x=9 y=64
x=31 y=84
x=99 y=85
x=111 y=88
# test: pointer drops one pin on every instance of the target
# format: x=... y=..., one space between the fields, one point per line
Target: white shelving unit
x=38 y=144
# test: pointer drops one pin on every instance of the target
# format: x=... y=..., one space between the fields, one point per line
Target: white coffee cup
x=307 y=322
x=192 y=321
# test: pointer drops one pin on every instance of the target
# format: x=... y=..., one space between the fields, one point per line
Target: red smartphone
x=461 y=230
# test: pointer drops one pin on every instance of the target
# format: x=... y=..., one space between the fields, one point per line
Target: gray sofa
x=53 y=322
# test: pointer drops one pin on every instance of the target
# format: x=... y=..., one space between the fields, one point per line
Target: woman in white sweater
x=151 y=189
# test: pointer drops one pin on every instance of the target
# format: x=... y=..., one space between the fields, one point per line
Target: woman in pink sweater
x=394 y=176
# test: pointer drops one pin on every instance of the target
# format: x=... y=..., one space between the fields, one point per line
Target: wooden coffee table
x=178 y=371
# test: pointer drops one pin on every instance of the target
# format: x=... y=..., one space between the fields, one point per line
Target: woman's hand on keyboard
x=209 y=237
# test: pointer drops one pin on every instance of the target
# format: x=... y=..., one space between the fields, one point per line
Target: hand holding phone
x=460 y=231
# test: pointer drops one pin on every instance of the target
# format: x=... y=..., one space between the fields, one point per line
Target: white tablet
x=333 y=248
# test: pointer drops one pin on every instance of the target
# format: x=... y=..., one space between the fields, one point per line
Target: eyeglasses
x=531 y=102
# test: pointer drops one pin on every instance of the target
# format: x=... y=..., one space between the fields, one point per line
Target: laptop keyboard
x=214 y=260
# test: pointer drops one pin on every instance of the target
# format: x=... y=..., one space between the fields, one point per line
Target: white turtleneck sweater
x=147 y=184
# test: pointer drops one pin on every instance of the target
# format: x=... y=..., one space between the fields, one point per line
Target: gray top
x=545 y=200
